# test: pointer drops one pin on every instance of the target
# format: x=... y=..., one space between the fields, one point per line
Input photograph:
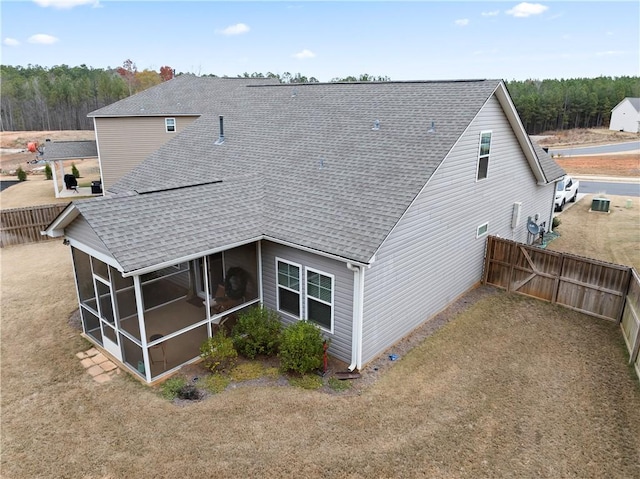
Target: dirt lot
x=602 y=165
x=512 y=387
x=585 y=137
x=14 y=153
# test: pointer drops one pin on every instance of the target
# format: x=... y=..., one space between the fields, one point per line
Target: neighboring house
x=625 y=116
x=57 y=152
x=361 y=207
x=130 y=130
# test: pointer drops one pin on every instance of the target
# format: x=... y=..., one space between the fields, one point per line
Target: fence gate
x=587 y=285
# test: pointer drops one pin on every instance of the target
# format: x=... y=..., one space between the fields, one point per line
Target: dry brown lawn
x=511 y=387
x=612 y=237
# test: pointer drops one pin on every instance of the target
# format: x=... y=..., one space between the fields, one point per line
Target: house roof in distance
x=69 y=150
x=328 y=167
x=635 y=103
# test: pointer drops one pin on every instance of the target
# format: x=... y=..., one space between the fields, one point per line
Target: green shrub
x=74 y=170
x=556 y=222
x=218 y=352
x=48 y=174
x=257 y=332
x=172 y=387
x=301 y=347
x=21 y=174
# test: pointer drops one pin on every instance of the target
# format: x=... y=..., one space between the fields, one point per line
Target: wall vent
x=600 y=204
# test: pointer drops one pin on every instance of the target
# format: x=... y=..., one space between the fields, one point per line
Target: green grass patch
x=272 y=373
x=215 y=383
x=338 y=385
x=247 y=371
x=306 y=381
x=172 y=386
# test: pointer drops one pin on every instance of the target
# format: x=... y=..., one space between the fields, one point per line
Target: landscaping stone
x=99 y=358
x=108 y=366
x=87 y=362
x=95 y=370
x=102 y=378
x=92 y=352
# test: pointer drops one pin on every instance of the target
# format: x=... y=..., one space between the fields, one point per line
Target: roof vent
x=220 y=139
x=433 y=127
x=376 y=125
x=295 y=93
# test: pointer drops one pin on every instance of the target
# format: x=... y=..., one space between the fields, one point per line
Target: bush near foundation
x=218 y=352
x=301 y=347
x=257 y=332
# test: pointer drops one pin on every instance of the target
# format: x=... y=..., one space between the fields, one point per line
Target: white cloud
x=527 y=9
x=304 y=54
x=11 y=42
x=237 y=29
x=491 y=14
x=42 y=39
x=610 y=53
x=462 y=22
x=65 y=4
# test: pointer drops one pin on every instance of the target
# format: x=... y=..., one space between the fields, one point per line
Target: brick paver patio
x=99 y=367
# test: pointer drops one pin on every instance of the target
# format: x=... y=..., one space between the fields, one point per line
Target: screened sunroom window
x=320 y=299
x=288 y=287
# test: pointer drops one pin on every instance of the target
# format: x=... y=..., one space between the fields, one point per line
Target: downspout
x=358 y=310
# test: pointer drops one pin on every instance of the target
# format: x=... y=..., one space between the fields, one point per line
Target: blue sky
x=414 y=40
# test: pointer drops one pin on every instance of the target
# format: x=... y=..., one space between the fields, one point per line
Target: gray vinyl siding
x=343 y=291
x=124 y=142
x=433 y=255
x=80 y=231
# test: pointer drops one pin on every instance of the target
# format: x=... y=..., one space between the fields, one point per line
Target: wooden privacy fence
x=631 y=321
x=593 y=287
x=23 y=225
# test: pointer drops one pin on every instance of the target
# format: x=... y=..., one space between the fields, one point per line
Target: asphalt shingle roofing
x=69 y=150
x=300 y=164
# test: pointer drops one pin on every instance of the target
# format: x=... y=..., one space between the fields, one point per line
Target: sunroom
x=154 y=322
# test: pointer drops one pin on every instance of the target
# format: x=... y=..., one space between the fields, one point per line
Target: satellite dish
x=533 y=227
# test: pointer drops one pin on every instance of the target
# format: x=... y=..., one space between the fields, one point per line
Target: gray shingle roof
x=69 y=150
x=552 y=171
x=635 y=102
x=144 y=230
x=300 y=163
x=183 y=95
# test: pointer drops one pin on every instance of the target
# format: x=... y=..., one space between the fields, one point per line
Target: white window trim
x=332 y=304
x=166 y=125
x=299 y=292
x=488 y=155
x=486 y=232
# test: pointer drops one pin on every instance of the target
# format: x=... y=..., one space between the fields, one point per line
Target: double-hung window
x=483 y=155
x=289 y=294
x=170 y=124
x=319 y=308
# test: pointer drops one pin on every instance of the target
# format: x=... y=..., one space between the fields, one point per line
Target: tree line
x=59 y=98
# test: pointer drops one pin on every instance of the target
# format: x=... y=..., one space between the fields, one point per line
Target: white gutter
x=358 y=315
